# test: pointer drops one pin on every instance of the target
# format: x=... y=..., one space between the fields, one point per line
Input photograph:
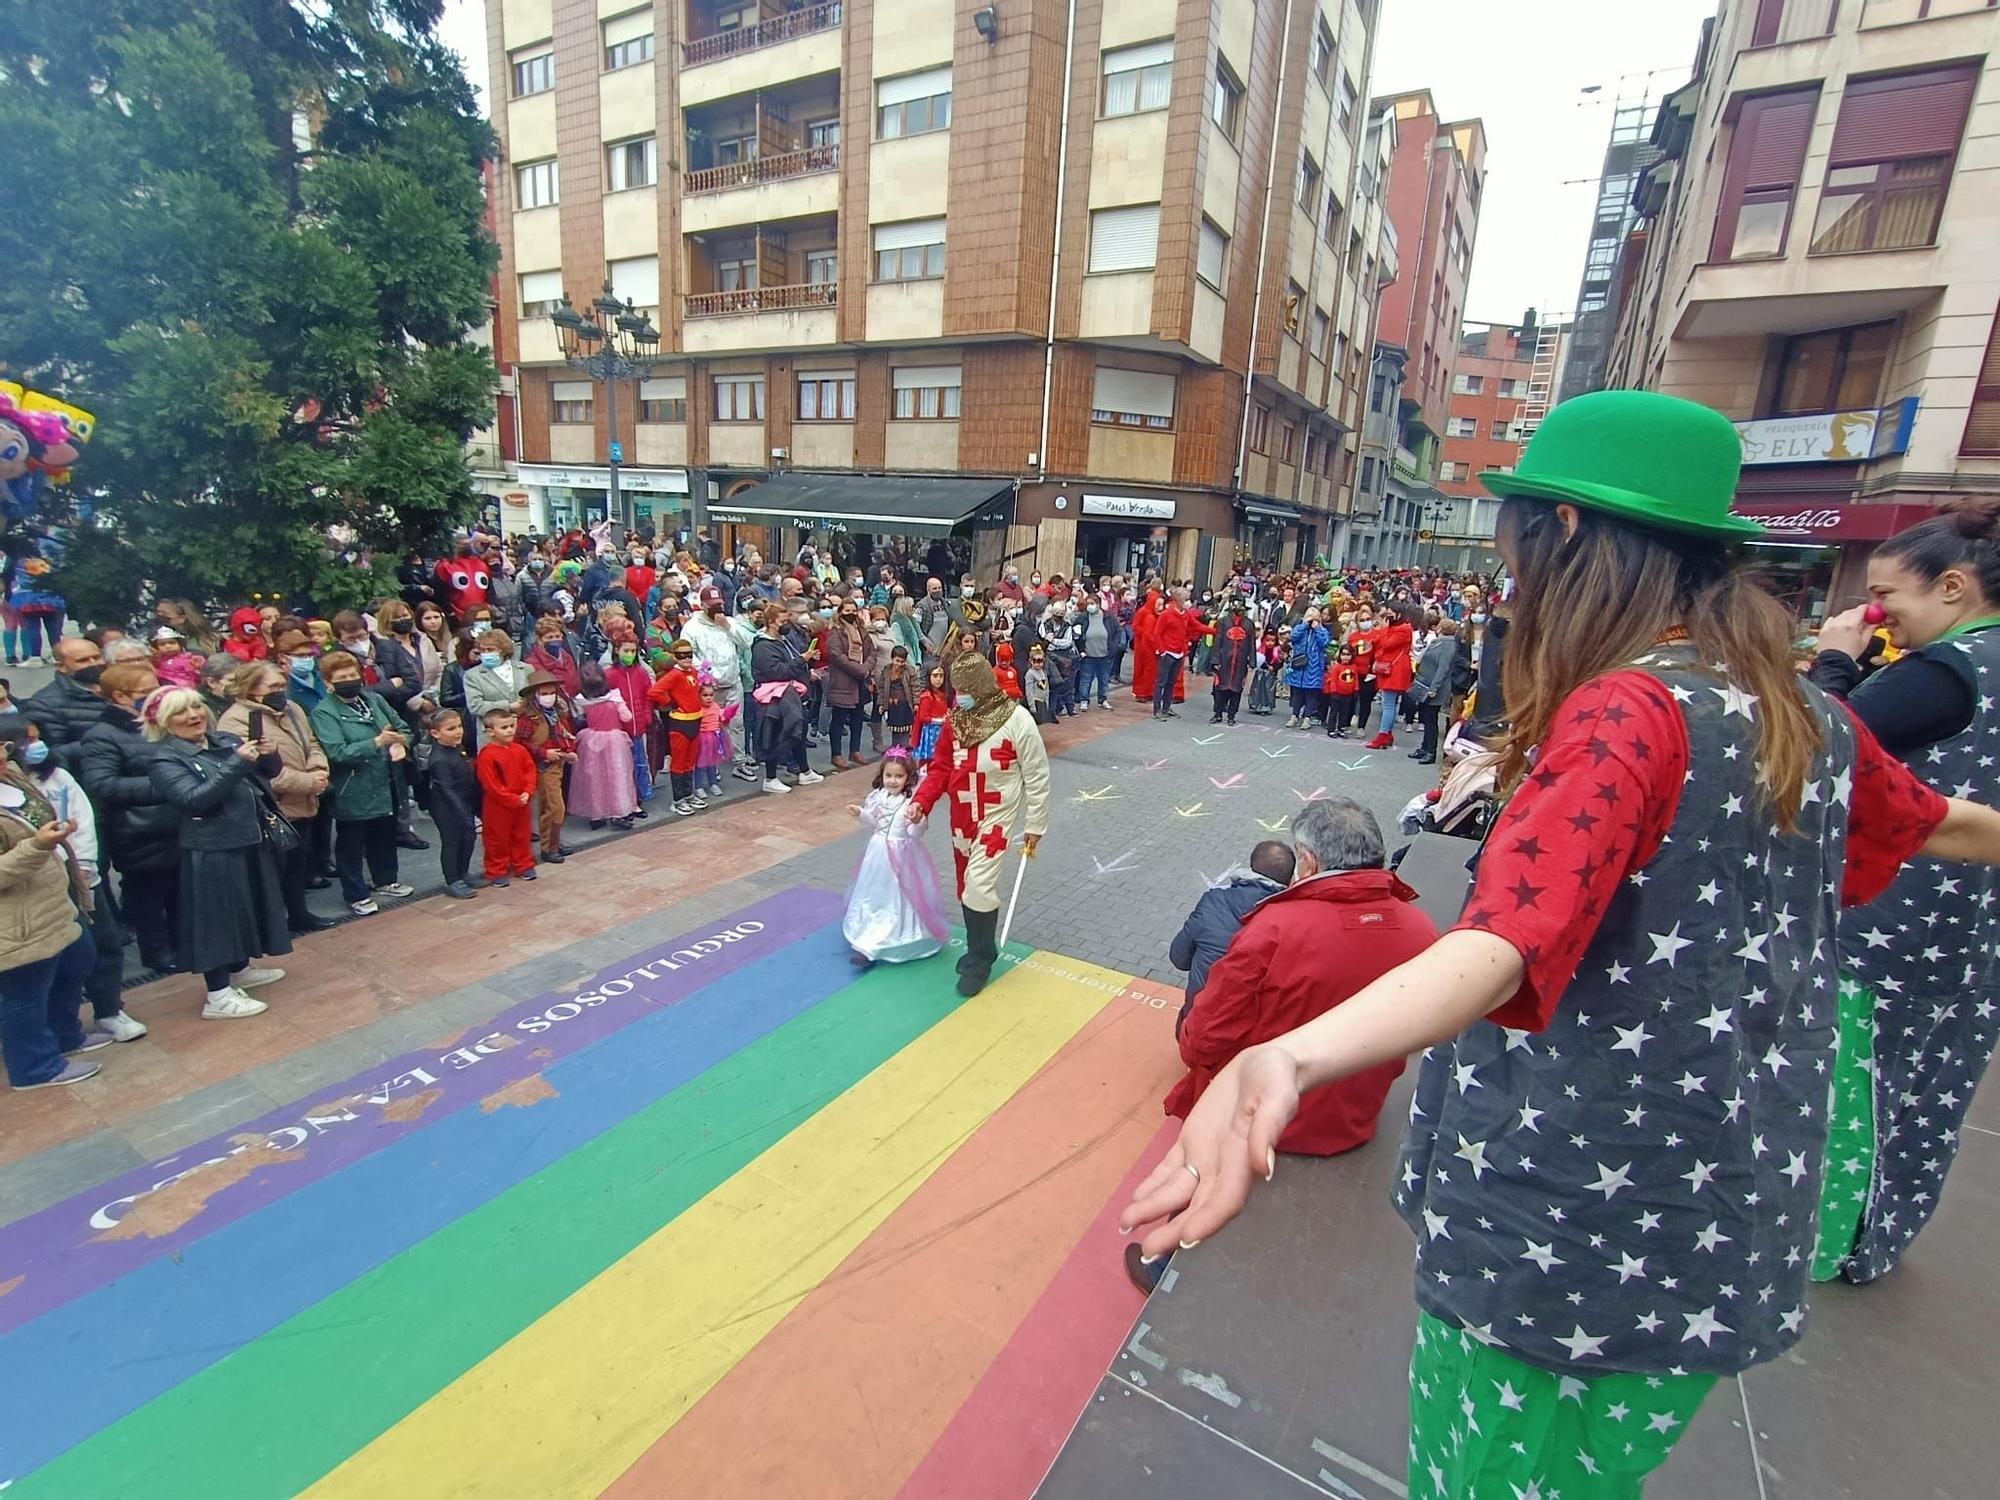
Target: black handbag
x=280 y=836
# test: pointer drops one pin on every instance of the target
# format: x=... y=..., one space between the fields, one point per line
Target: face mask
x=729 y=567
x=628 y=657
x=1092 y=608
x=547 y=700
x=88 y=675
x=404 y=627
x=964 y=700
x=34 y=752
x=1479 y=619
x=349 y=689
x=968 y=591
x=826 y=614
x=357 y=648
x=302 y=667
x=553 y=643
x=276 y=701
x=489 y=659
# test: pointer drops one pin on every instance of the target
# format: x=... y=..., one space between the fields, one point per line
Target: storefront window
x=1801 y=578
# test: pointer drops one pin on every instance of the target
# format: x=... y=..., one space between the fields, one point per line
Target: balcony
x=762 y=299
x=763 y=169
x=768 y=32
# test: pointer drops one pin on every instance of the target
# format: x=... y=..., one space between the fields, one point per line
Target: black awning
x=905 y=504
x=1265 y=510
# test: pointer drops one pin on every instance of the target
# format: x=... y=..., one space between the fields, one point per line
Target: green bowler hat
x=1655 y=460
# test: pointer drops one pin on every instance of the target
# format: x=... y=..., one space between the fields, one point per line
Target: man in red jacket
x=1343 y=923
x=1173 y=629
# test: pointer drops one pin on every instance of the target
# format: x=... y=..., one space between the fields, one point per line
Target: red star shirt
x=1607 y=784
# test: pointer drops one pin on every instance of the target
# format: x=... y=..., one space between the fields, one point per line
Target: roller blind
x=628 y=28
x=569 y=390
x=1911 y=114
x=1145 y=55
x=913 y=86
x=924 y=377
x=1209 y=254
x=637 y=280
x=1141 y=392
x=1125 y=239
x=664 y=388
x=1779 y=128
x=913 y=232
x=541 y=286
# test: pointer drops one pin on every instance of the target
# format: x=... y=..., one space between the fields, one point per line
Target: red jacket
x=1174 y=628
x=1299 y=954
x=506 y=771
x=1393 y=668
x=678 y=692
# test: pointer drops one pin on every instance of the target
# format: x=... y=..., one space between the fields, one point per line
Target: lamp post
x=1435 y=510
x=609 y=341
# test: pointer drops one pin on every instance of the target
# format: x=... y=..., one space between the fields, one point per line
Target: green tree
x=250 y=236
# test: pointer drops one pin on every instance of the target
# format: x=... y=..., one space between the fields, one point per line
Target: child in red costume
x=465 y=582
x=1004 y=673
x=507 y=785
x=677 y=694
x=246 y=640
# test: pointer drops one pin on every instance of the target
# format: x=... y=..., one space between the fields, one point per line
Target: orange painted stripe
x=848 y=1394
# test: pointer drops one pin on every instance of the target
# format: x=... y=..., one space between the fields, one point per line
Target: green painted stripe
x=278 y=1413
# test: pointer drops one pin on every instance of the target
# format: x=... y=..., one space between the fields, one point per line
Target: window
x=1295 y=308
x=1322 y=52
x=1449 y=471
x=913 y=104
x=1761 y=180
x=822 y=267
x=739 y=398
x=1322 y=331
x=535 y=184
x=1461 y=427
x=736 y=275
x=636 y=281
x=1260 y=429
x=1468 y=385
x=1368 y=475
x=1982 y=422
x=826 y=396
x=731 y=149
x=541 y=293
x=628 y=40
x=570 y=402
x=664 y=399
x=924 y=393
x=1138 y=78
x=1378 y=391
x=1501 y=432
x=1891 y=160
x=1225 y=102
x=1512 y=388
x=1330 y=221
x=535 y=74
x=911 y=251
x=1308 y=193
x=1125 y=239
x=1211 y=254
x=821 y=134
x=1288 y=442
x=1133 y=398
x=1838 y=370
x=1343 y=109
x=631 y=164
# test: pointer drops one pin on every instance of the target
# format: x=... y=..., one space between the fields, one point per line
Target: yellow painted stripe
x=566 y=1405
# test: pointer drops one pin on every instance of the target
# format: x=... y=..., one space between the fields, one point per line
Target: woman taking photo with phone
x=262 y=709
x=1616 y=1143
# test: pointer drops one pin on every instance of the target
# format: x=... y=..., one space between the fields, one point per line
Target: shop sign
x=1816 y=525
x=1128 y=507
x=516 y=497
x=801 y=520
x=1829 y=437
x=667 y=481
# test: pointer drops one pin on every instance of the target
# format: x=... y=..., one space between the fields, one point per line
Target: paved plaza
x=626 y=1182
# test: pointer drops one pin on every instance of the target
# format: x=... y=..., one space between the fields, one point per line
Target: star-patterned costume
x=1924 y=961
x=1619 y=1171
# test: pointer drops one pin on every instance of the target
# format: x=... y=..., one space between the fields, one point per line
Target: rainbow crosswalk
x=726 y=1219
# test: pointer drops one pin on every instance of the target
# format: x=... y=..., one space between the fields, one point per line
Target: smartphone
x=256 y=725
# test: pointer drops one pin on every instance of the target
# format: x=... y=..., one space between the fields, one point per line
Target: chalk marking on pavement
x=1136 y=1347
x=1308 y=796
x=1117 y=866
x=1352 y=765
x=1209 y=1385
x=1360 y=1466
x=1210 y=740
x=1227 y=786
x=1139 y=1389
x=1192 y=812
x=1278 y=754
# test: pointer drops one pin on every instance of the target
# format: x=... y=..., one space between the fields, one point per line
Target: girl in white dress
x=895 y=907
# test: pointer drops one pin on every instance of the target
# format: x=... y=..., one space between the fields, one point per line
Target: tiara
x=899 y=752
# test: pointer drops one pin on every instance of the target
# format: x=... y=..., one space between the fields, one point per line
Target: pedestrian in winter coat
x=1430 y=687
x=137 y=827
x=366 y=744
x=303 y=774
x=1213 y=924
x=69 y=705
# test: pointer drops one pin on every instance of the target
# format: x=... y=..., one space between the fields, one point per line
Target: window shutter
x=1982 y=423
x=924 y=377
x=541 y=286
x=1779 y=130
x=1912 y=114
x=1141 y=392
x=1210 y=253
x=1125 y=239
x=569 y=390
x=912 y=232
x=913 y=86
x=1145 y=55
x=637 y=280
x=664 y=388
x=628 y=28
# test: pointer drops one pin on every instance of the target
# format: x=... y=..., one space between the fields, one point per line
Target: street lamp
x=609 y=341
x=1435 y=510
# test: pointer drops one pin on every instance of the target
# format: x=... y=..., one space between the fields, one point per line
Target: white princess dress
x=895 y=907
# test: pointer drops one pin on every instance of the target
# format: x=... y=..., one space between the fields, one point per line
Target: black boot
x=981 y=927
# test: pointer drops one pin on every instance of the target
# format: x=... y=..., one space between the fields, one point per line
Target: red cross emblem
x=994 y=841
x=1004 y=755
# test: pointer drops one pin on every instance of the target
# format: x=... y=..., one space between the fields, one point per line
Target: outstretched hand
x=1230 y=1138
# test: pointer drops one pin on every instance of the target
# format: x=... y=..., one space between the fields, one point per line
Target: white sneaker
x=810 y=778
x=232 y=1005
x=249 y=979
x=395 y=888
x=365 y=907
x=123 y=1027
x=772 y=784
x=684 y=809
x=700 y=799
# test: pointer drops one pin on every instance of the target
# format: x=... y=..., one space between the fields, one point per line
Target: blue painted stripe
x=86 y=1364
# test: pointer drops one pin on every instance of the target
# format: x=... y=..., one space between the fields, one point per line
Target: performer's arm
x=937 y=774
x=1034 y=780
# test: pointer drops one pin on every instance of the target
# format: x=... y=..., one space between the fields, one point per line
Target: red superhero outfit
x=506 y=774
x=466 y=585
x=678 y=694
x=246 y=640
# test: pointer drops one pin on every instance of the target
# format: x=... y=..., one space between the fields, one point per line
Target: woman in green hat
x=1616 y=1142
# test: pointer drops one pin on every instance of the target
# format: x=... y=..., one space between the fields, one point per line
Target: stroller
x=1464 y=803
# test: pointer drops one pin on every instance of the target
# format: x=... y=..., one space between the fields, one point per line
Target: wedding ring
x=1193 y=1171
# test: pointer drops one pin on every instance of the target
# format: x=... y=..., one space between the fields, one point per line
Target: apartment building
x=1436 y=177
x=1080 y=285
x=1816 y=260
x=1484 y=430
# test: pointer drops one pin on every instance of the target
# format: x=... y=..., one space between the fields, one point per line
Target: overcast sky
x=1521 y=68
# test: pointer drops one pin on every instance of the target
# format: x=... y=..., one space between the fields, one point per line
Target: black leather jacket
x=139 y=828
x=210 y=786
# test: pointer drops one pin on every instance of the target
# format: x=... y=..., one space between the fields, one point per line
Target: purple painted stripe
x=111 y=1230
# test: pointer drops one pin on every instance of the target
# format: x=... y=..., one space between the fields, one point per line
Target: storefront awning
x=1270 y=514
x=901 y=505
x=1805 y=522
